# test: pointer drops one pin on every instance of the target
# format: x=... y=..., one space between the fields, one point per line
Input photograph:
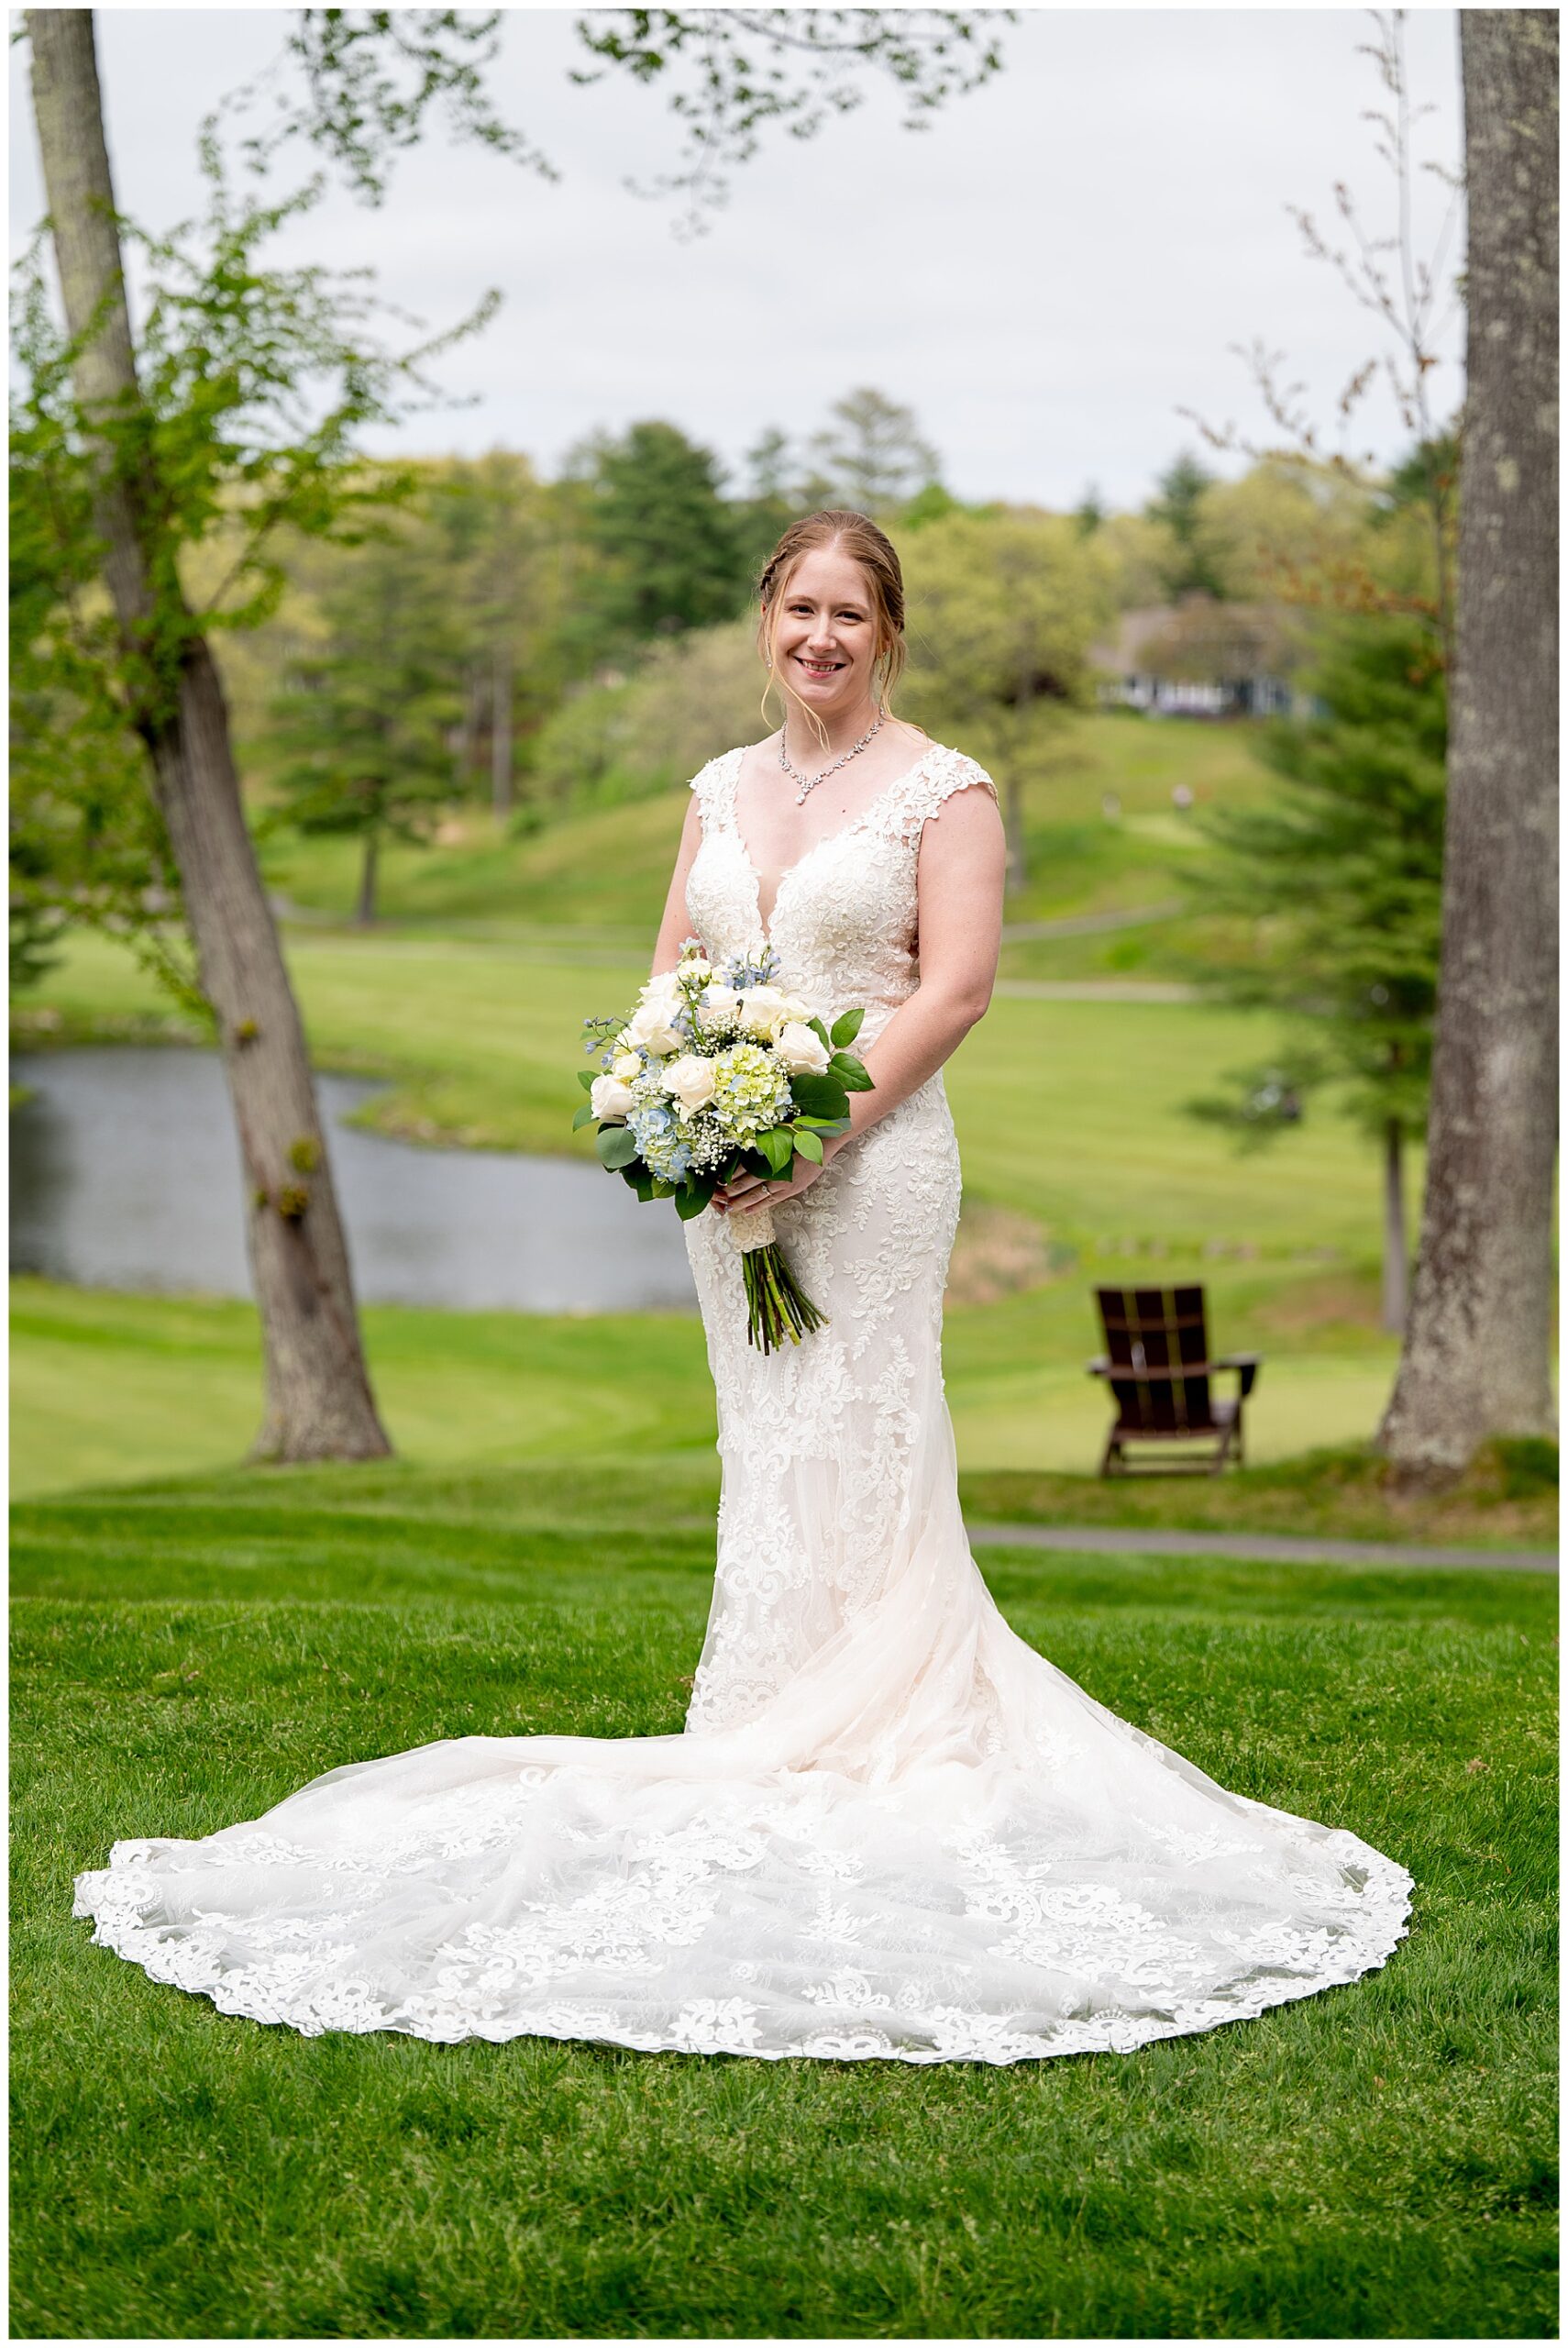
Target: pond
x=124 y=1173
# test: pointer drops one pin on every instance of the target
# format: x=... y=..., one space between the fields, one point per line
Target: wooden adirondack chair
x=1158 y=1365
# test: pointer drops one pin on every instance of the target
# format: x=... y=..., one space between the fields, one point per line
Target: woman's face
x=827 y=640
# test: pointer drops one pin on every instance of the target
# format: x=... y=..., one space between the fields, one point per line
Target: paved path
x=1269 y=1548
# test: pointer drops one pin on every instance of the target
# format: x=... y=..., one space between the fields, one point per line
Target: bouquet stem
x=777 y=1306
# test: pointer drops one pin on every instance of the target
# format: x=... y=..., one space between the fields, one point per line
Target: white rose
x=690 y=1080
x=762 y=1010
x=651 y=1026
x=664 y=990
x=719 y=1002
x=696 y=965
x=627 y=1066
x=795 y=1009
x=611 y=1100
x=801 y=1050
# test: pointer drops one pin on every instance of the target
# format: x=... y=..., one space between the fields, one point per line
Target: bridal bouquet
x=719 y=1071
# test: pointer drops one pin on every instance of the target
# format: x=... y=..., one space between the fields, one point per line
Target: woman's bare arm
x=962 y=867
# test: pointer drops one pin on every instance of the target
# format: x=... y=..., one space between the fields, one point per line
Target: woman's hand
x=749 y=1191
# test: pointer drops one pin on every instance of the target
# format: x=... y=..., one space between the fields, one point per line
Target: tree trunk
x=318 y=1400
x=466 y=733
x=365 y=910
x=1395 y=1256
x=501 y=737
x=1477 y=1352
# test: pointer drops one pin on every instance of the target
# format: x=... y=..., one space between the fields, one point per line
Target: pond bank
x=125 y=1175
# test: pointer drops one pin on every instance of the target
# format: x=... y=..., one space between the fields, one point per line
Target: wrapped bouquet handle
x=720 y=1071
x=777 y=1306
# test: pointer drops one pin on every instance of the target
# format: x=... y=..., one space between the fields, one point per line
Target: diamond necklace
x=810 y=782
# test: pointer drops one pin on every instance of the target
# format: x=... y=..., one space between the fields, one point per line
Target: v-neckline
x=844 y=832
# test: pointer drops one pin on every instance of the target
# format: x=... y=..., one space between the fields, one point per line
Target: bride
x=889 y=1829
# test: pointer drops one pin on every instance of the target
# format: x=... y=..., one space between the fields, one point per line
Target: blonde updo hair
x=873 y=552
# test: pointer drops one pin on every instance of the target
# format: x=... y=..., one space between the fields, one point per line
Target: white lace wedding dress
x=890 y=1829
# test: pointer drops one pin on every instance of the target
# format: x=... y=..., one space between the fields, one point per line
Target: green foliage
x=932 y=503
x=1337 y=876
x=869 y=456
x=359 y=738
x=255 y=383
x=731 y=73
x=689 y=698
x=1002 y=610
x=1529 y=1463
x=86 y=842
x=669 y=557
x=1091 y=512
x=1192 y=560
x=371 y=76
x=501 y=530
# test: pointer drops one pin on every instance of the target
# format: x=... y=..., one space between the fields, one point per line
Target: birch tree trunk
x=318 y=1399
x=1476 y=1360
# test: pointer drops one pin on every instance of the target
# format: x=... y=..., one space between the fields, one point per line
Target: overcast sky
x=1046 y=275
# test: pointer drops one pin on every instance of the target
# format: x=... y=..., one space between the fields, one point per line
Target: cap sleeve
x=929 y=785
x=711 y=786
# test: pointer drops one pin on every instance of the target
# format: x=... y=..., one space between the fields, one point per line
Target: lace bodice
x=845 y=922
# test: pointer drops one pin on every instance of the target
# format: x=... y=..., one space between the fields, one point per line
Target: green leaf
x=691 y=1198
x=587 y=1077
x=845 y=1030
x=618 y=1146
x=584 y=1117
x=821 y=1124
x=810 y=1146
x=777 y=1147
x=850 y=1072
x=821 y=1033
x=820 y=1096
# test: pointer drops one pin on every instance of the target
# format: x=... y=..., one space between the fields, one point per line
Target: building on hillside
x=1204 y=658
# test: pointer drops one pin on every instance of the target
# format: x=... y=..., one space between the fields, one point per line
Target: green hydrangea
x=751 y=1092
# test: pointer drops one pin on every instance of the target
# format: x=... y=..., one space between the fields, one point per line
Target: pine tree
x=1192 y=566
x=870 y=455
x=670 y=554
x=1340 y=875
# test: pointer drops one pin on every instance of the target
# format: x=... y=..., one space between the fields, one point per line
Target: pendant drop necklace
x=810 y=782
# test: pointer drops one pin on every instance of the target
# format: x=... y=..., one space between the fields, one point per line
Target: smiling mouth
x=819 y=667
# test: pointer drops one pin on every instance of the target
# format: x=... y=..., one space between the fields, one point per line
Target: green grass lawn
x=111 y=1390
x=1374 y=2162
